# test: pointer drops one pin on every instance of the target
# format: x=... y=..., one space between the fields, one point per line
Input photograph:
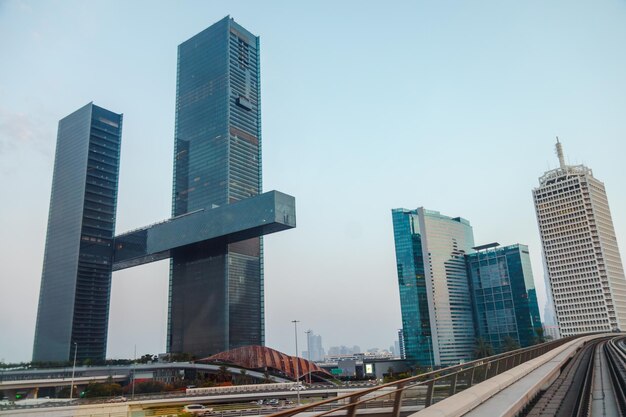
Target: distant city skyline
x=399 y=119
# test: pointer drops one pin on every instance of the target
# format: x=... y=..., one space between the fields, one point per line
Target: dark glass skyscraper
x=216 y=290
x=76 y=277
x=503 y=294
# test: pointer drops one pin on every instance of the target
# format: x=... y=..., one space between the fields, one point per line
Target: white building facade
x=582 y=259
x=445 y=242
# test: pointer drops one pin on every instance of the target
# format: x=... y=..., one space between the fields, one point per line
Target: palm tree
x=509 y=344
x=223 y=375
x=244 y=376
x=482 y=349
x=540 y=338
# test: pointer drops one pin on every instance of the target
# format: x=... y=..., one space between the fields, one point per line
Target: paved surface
x=602 y=398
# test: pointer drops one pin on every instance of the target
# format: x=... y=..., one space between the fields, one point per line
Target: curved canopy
x=261 y=357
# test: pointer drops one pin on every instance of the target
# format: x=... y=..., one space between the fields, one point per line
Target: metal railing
x=427 y=388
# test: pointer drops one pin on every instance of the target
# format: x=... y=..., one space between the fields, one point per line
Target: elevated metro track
x=508 y=384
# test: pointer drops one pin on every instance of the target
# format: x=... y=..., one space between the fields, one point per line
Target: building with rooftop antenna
x=582 y=259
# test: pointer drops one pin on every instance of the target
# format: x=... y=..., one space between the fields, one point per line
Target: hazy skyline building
x=503 y=294
x=316 y=350
x=76 y=277
x=399 y=345
x=216 y=291
x=582 y=259
x=437 y=322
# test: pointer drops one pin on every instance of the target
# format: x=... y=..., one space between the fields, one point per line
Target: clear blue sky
x=367 y=106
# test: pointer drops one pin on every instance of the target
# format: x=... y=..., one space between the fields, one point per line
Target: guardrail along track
x=426 y=389
x=593 y=382
x=616 y=358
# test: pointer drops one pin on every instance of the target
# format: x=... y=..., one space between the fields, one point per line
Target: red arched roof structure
x=261 y=357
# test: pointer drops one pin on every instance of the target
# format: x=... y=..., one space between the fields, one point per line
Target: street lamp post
x=295 y=326
x=73 y=371
x=308 y=350
x=132 y=397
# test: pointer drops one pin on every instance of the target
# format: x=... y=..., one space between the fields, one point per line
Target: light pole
x=132 y=396
x=73 y=371
x=308 y=350
x=295 y=327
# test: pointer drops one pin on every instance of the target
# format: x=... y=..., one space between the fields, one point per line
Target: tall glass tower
x=437 y=322
x=216 y=290
x=76 y=277
x=582 y=260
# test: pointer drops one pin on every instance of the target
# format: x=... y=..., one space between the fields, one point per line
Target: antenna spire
x=559 y=153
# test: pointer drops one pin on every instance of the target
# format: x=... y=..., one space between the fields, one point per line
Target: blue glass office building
x=503 y=294
x=216 y=290
x=416 y=333
x=76 y=278
x=437 y=320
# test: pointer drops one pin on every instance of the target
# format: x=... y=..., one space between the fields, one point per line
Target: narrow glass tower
x=216 y=291
x=76 y=277
x=582 y=260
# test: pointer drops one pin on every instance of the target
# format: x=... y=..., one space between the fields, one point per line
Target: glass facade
x=504 y=296
x=216 y=288
x=76 y=278
x=264 y=214
x=415 y=334
x=437 y=318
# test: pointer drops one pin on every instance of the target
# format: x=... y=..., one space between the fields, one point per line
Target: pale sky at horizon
x=365 y=107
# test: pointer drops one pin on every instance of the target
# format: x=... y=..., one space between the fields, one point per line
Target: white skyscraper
x=580 y=250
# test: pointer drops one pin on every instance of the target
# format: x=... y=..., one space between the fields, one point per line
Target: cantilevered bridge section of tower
x=266 y=213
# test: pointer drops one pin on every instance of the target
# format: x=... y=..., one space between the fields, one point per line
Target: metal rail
x=616 y=357
x=431 y=387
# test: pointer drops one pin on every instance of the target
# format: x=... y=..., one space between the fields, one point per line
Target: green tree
x=106 y=389
x=147 y=358
x=539 y=338
x=482 y=349
x=243 y=379
x=223 y=375
x=267 y=379
x=509 y=344
x=146 y=387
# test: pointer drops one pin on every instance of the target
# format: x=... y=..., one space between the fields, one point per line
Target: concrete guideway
x=506 y=394
x=602 y=402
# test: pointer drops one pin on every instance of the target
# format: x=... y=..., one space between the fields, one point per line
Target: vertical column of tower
x=76 y=278
x=215 y=300
x=245 y=268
